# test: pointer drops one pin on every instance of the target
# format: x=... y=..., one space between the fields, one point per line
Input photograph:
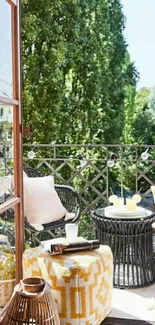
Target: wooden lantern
x=32 y=303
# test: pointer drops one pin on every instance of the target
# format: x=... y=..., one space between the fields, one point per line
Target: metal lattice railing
x=96 y=171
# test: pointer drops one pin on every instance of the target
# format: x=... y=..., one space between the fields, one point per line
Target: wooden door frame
x=17 y=201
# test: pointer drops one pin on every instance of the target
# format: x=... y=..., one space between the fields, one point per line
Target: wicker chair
x=68 y=196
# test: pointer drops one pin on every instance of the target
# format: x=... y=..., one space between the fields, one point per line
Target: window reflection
x=6 y=152
x=5 y=50
x=6 y=122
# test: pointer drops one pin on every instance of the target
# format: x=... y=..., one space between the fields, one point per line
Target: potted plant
x=7 y=270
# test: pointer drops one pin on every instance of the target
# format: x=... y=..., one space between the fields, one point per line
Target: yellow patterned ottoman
x=82 y=282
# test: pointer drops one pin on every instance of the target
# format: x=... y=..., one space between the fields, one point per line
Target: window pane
x=5 y=50
x=6 y=153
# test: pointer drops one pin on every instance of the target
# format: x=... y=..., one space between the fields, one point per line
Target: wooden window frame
x=8 y=101
x=17 y=201
x=12 y=2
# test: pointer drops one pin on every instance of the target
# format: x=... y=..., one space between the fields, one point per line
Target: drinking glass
x=119 y=202
x=71 y=231
x=130 y=204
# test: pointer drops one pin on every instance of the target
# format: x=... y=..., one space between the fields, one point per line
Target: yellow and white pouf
x=82 y=282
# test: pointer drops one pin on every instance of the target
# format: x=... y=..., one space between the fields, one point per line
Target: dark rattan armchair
x=69 y=198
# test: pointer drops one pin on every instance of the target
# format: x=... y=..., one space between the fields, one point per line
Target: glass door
x=10 y=122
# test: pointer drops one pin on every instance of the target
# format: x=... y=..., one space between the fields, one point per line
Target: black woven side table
x=131 y=241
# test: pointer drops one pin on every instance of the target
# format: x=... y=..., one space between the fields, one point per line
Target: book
x=62 y=245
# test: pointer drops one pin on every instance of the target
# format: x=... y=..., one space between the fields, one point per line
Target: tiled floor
x=130 y=307
x=123 y=321
x=133 y=304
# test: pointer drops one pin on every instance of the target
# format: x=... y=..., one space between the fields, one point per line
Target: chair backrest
x=32 y=172
x=67 y=194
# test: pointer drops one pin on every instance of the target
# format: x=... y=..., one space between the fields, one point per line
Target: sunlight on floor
x=134 y=303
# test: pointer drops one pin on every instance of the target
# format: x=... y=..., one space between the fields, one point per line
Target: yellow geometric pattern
x=82 y=282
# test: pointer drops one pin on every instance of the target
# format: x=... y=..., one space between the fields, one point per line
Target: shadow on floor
x=124 y=321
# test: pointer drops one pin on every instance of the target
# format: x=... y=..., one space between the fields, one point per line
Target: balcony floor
x=131 y=307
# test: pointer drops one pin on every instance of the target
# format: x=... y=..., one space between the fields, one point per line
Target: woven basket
x=6 y=289
x=32 y=303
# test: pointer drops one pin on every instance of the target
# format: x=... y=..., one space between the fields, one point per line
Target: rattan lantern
x=32 y=303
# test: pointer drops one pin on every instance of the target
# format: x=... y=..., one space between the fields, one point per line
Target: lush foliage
x=143 y=126
x=78 y=80
x=79 y=84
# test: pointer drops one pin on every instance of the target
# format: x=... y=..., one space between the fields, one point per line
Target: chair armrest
x=70 y=199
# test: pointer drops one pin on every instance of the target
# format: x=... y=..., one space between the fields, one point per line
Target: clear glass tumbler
x=71 y=231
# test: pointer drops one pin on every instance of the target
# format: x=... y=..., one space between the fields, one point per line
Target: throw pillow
x=24 y=174
x=41 y=202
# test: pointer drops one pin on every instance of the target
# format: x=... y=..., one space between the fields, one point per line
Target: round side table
x=131 y=241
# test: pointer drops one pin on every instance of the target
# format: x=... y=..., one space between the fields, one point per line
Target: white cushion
x=41 y=202
x=24 y=174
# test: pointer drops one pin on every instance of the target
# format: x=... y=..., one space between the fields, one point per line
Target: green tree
x=151 y=101
x=75 y=70
x=143 y=126
x=129 y=101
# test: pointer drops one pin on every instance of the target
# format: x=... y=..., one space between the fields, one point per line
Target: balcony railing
x=96 y=171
